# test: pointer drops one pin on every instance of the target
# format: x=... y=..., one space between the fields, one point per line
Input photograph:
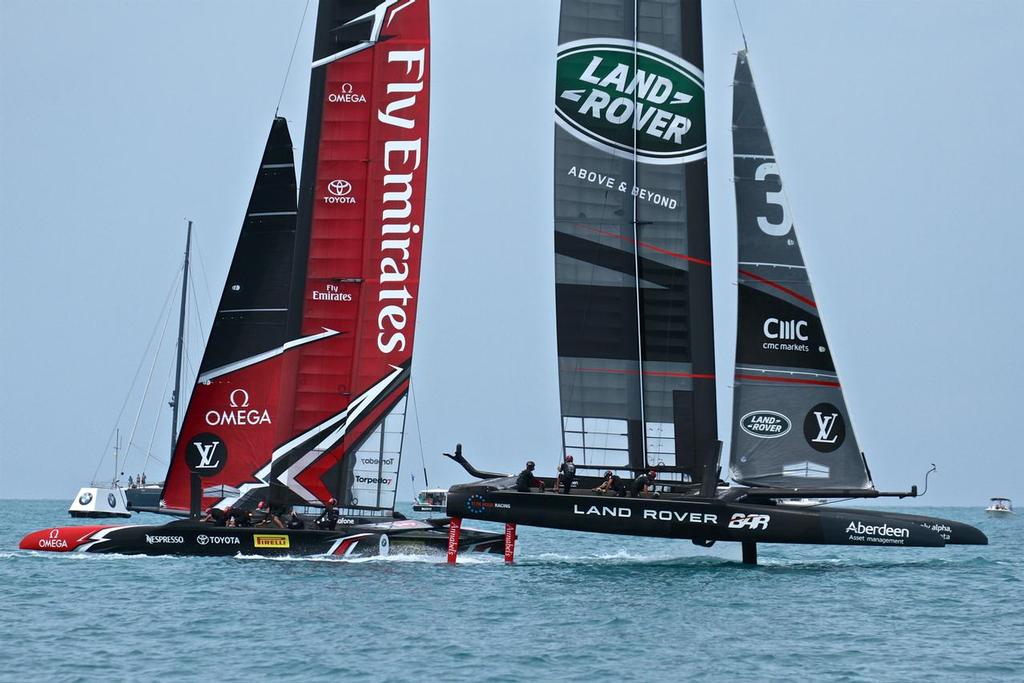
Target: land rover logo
x=824 y=428
x=608 y=96
x=85 y=498
x=765 y=424
x=206 y=454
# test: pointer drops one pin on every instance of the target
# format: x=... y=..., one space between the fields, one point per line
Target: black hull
x=188 y=537
x=705 y=520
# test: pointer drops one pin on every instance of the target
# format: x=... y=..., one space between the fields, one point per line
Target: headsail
x=791 y=426
x=632 y=246
x=233 y=415
x=332 y=388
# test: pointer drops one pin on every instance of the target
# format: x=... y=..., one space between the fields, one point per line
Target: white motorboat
x=1000 y=506
x=431 y=500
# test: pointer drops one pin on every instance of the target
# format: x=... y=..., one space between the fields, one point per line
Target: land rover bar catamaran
x=636 y=362
x=301 y=394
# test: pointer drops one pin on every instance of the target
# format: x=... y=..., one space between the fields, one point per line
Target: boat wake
x=393 y=558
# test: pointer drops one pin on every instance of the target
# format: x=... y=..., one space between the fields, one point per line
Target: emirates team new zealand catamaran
x=634 y=313
x=301 y=395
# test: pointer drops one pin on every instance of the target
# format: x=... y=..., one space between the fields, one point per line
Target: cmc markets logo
x=824 y=428
x=85 y=498
x=340 y=192
x=206 y=454
x=346 y=94
x=631 y=98
x=765 y=424
x=241 y=413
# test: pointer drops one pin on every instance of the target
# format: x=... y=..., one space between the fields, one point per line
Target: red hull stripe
x=788 y=380
x=651 y=373
x=645 y=245
x=776 y=285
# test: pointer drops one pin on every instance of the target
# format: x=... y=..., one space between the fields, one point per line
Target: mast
x=181 y=341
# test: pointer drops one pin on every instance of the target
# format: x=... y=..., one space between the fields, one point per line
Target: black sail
x=791 y=426
x=252 y=317
x=632 y=247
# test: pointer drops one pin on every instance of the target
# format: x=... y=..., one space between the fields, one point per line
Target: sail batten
x=791 y=427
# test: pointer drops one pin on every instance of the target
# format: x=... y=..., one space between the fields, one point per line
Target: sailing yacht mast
x=181 y=342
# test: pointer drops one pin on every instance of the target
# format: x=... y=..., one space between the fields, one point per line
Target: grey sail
x=791 y=426
x=632 y=252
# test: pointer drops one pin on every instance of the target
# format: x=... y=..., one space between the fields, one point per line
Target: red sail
x=343 y=374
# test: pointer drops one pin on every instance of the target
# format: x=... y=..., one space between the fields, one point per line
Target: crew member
x=525 y=480
x=566 y=475
x=328 y=519
x=642 y=484
x=611 y=484
x=295 y=522
x=242 y=518
x=214 y=516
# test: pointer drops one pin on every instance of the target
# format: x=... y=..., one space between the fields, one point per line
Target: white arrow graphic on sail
x=340 y=423
x=206 y=377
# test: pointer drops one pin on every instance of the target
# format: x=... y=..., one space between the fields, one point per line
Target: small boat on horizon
x=999 y=506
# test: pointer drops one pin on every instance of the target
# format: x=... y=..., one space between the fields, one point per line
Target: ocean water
x=574 y=607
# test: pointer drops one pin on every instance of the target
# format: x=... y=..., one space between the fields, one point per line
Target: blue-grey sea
x=573 y=607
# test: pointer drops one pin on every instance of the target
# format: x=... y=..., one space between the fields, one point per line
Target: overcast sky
x=896 y=126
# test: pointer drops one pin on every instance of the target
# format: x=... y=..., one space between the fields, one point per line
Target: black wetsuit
x=524 y=481
x=568 y=473
x=296 y=523
x=242 y=519
x=638 y=485
x=217 y=517
x=615 y=486
x=328 y=519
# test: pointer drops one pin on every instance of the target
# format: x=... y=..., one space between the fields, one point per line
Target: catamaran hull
x=710 y=520
x=193 y=538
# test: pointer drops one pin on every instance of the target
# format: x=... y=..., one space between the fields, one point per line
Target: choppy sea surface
x=573 y=607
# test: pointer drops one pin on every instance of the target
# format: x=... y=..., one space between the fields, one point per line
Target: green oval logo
x=628 y=98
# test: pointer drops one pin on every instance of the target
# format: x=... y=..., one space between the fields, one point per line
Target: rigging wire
x=419 y=436
x=740 y=22
x=149 y=380
x=202 y=274
x=288 y=71
x=156 y=423
x=131 y=388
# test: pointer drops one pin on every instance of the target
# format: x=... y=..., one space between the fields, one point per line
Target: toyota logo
x=202 y=539
x=339 y=188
